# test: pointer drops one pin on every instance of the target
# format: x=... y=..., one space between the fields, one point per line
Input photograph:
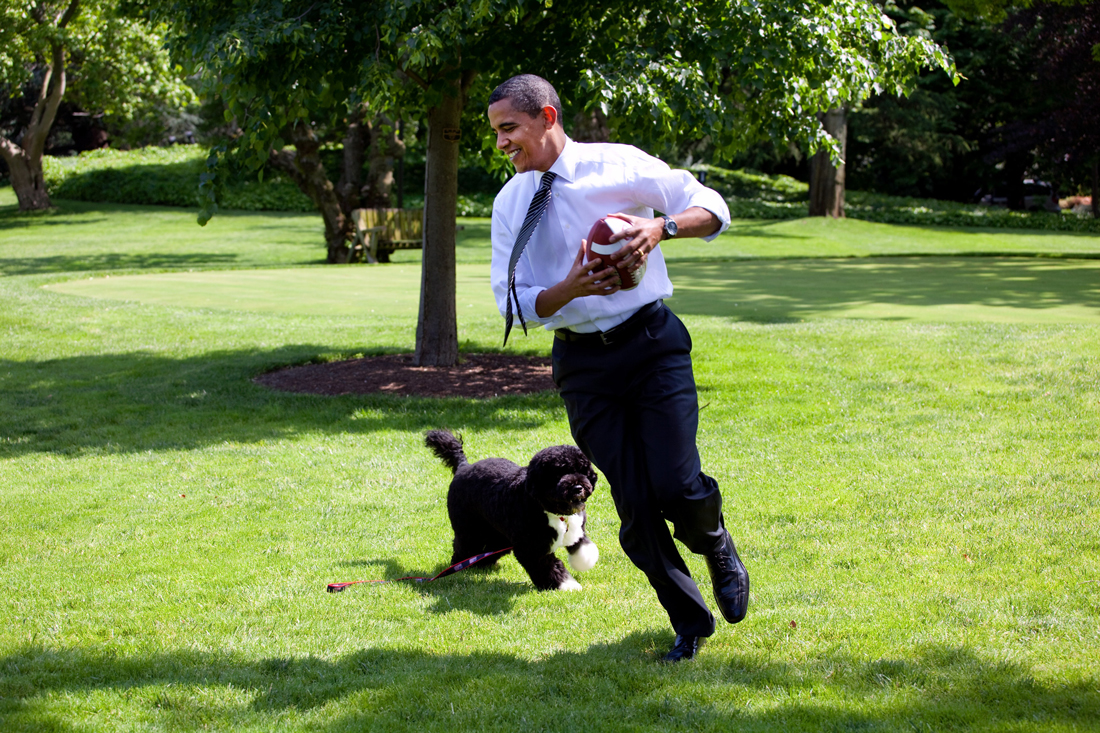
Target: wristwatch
x=670 y=228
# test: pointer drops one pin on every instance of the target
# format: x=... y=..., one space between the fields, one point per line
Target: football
x=598 y=245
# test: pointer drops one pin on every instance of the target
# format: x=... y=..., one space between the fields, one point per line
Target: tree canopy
x=733 y=72
x=88 y=53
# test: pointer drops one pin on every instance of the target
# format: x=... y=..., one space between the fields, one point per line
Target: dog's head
x=561 y=479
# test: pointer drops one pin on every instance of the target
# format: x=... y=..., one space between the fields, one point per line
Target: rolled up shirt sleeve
x=673 y=191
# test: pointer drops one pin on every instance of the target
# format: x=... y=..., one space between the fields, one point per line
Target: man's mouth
x=512 y=155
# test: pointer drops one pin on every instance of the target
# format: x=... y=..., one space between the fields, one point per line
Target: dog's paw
x=569 y=584
x=585 y=557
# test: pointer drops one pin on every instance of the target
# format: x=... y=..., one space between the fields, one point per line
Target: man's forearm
x=551 y=300
x=696 y=222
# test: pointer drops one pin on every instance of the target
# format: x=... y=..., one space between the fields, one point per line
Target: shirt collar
x=566 y=164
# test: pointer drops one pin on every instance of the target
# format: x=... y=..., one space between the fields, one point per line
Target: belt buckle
x=604 y=337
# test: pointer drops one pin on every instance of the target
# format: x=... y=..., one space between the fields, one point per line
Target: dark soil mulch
x=479 y=375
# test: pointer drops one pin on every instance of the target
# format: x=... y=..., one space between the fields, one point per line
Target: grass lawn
x=907 y=447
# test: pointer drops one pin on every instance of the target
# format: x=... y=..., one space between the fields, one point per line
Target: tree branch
x=468 y=77
x=45 y=110
x=415 y=77
x=66 y=16
x=308 y=11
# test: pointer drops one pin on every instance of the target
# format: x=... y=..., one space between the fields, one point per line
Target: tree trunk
x=385 y=149
x=826 y=179
x=26 y=178
x=437 y=327
x=591 y=127
x=305 y=169
x=1096 y=188
x=351 y=174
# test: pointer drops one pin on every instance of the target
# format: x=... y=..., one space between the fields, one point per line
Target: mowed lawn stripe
x=933 y=289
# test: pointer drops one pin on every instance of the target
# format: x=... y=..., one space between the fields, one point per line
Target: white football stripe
x=606 y=249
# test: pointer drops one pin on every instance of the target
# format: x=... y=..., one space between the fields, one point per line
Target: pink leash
x=337 y=587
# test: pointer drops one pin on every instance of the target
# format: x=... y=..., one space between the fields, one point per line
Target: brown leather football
x=599 y=247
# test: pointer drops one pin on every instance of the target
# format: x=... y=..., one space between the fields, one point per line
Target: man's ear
x=550 y=115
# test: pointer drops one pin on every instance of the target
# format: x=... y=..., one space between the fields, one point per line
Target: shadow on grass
x=477 y=591
x=795 y=289
x=610 y=686
x=139 y=401
x=12 y=266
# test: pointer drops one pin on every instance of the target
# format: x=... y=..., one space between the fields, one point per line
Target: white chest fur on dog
x=569 y=529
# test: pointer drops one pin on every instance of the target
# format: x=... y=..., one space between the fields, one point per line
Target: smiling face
x=531 y=143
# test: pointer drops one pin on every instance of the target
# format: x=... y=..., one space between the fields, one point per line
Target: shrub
x=170 y=177
x=752 y=195
x=161 y=176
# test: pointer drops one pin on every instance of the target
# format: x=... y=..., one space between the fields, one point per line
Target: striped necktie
x=534 y=213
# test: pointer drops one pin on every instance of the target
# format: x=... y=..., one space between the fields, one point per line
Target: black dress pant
x=634 y=411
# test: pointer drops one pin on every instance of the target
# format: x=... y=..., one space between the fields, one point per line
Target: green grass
x=916 y=496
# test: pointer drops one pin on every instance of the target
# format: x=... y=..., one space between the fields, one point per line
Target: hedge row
x=759 y=196
x=170 y=177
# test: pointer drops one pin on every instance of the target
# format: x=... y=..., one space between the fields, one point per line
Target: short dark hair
x=529 y=94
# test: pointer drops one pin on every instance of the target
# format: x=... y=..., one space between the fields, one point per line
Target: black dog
x=494 y=504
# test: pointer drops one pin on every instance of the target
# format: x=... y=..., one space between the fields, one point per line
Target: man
x=621 y=359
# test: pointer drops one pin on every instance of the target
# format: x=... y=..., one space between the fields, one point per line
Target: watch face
x=670 y=227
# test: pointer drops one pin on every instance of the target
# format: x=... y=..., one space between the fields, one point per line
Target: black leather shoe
x=730 y=581
x=684 y=648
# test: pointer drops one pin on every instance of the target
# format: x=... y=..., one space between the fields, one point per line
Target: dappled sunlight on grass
x=957 y=289
x=907 y=450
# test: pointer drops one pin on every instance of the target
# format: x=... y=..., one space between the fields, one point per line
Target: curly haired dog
x=495 y=504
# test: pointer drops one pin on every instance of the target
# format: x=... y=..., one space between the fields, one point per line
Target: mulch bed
x=479 y=375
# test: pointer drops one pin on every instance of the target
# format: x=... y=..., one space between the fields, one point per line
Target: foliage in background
x=123 y=72
x=1029 y=106
x=775 y=196
x=101 y=71
x=168 y=176
x=117 y=72
x=929 y=144
x=735 y=71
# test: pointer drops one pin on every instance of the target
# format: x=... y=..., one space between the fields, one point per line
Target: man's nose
x=502 y=141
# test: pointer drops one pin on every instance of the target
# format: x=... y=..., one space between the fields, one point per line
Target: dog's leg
x=546 y=571
x=468 y=544
x=583 y=554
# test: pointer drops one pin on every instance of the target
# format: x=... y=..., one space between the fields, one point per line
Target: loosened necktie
x=534 y=213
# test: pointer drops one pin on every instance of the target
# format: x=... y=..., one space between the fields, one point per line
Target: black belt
x=612 y=335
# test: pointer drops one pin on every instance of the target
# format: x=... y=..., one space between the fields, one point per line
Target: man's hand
x=644 y=235
x=584 y=278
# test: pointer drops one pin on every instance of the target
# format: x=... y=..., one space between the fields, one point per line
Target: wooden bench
x=381 y=231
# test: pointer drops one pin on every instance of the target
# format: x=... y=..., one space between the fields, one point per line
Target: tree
x=729 y=71
x=81 y=49
x=1027 y=107
x=826 y=175
x=935 y=141
x=1069 y=65
x=35 y=31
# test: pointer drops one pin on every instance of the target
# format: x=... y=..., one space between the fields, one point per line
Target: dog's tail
x=447 y=447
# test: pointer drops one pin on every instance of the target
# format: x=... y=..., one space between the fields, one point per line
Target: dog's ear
x=538 y=471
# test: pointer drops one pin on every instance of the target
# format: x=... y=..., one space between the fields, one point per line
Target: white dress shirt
x=594 y=180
